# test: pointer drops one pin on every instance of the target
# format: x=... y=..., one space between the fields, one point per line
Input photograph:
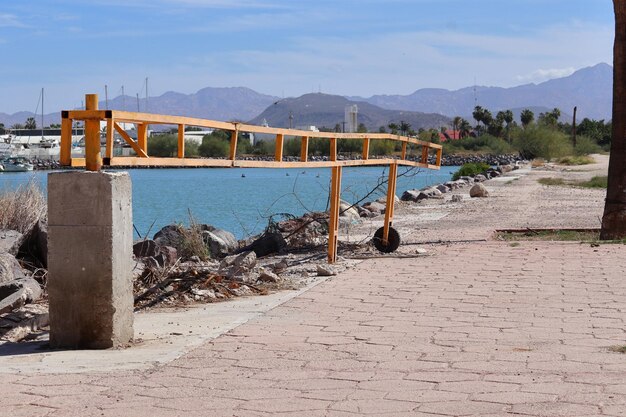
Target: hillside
x=325 y=110
x=591 y=89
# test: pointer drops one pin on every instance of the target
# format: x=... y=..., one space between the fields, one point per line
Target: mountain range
x=590 y=89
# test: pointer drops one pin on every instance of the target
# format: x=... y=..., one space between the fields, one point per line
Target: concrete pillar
x=90 y=259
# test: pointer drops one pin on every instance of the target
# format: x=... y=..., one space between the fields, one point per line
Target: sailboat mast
x=41 y=113
x=123 y=99
x=106 y=97
x=146 y=94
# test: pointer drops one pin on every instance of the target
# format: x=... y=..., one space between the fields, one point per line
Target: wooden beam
x=109 y=140
x=333 y=149
x=278 y=153
x=304 y=149
x=366 y=149
x=142 y=137
x=233 y=144
x=65 y=156
x=403 y=155
x=181 y=141
x=93 y=158
x=424 y=154
x=391 y=201
x=129 y=140
x=333 y=226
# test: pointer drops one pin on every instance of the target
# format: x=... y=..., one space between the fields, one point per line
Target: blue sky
x=280 y=47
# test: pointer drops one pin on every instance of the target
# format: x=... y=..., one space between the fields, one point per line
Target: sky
x=290 y=47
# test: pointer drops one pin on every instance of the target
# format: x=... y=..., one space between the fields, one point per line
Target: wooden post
x=108 y=154
x=424 y=154
x=404 y=144
x=391 y=203
x=304 y=149
x=142 y=136
x=278 y=154
x=66 y=140
x=333 y=149
x=333 y=224
x=233 y=144
x=181 y=140
x=93 y=158
x=366 y=149
x=439 y=154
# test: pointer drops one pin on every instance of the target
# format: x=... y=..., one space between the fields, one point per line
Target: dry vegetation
x=21 y=208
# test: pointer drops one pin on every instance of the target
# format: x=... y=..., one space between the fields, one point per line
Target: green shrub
x=166 y=146
x=586 y=146
x=542 y=142
x=481 y=144
x=596 y=182
x=215 y=145
x=576 y=160
x=382 y=147
x=471 y=169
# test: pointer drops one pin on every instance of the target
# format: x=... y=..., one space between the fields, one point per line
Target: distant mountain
x=225 y=104
x=590 y=89
x=325 y=110
x=234 y=103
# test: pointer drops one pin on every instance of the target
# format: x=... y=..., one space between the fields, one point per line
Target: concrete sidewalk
x=475 y=329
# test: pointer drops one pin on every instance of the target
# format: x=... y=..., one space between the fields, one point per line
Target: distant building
x=350 y=121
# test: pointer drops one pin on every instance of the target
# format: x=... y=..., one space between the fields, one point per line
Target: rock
x=457 y=198
x=410 y=195
x=383 y=200
x=505 y=168
x=15 y=294
x=480 y=178
x=346 y=210
x=478 y=190
x=238 y=264
x=267 y=276
x=324 y=270
x=375 y=207
x=167 y=256
x=10 y=241
x=279 y=266
x=145 y=248
x=363 y=212
x=10 y=268
x=442 y=188
x=220 y=242
x=494 y=174
x=266 y=244
x=170 y=235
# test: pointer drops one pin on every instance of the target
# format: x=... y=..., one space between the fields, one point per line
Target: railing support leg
x=66 y=140
x=333 y=224
x=93 y=158
x=181 y=141
x=391 y=203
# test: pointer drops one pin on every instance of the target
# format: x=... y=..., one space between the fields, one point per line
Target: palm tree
x=394 y=128
x=614 y=218
x=456 y=122
x=31 y=123
x=404 y=127
x=527 y=117
x=464 y=128
x=478 y=115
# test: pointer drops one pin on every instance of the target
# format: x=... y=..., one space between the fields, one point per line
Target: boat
x=16 y=164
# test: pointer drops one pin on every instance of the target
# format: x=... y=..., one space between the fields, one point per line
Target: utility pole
x=574 y=128
x=290 y=119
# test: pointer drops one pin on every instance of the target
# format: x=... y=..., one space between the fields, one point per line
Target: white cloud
x=540 y=75
x=10 y=20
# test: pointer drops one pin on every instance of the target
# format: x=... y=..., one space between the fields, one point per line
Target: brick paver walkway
x=481 y=329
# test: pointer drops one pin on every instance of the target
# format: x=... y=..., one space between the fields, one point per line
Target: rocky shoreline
x=446 y=160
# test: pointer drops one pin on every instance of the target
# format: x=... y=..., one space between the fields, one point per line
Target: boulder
x=268 y=276
x=10 y=268
x=324 y=270
x=347 y=211
x=266 y=244
x=219 y=242
x=505 y=168
x=235 y=265
x=457 y=198
x=410 y=195
x=442 y=188
x=478 y=190
x=10 y=241
x=383 y=200
x=170 y=235
x=480 y=178
x=16 y=293
x=375 y=207
x=167 y=256
x=145 y=248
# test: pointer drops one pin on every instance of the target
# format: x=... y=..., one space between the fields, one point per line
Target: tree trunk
x=614 y=218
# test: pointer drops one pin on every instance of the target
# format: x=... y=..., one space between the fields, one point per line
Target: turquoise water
x=224 y=198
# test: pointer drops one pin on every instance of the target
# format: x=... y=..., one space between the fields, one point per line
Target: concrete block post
x=90 y=259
